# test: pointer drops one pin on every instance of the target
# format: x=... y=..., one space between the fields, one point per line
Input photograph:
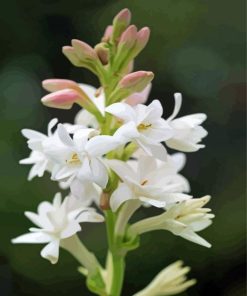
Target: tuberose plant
x=114 y=161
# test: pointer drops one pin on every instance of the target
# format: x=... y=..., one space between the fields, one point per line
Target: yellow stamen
x=144 y=182
x=74 y=159
x=143 y=126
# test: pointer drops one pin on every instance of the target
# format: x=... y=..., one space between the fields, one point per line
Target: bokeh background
x=197 y=48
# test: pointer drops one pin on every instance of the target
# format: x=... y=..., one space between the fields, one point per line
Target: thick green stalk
x=116 y=264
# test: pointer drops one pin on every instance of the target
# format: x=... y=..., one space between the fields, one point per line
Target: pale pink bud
x=128 y=37
x=139 y=97
x=58 y=84
x=136 y=81
x=69 y=52
x=83 y=50
x=102 y=52
x=107 y=35
x=124 y=16
x=120 y=23
x=62 y=99
x=142 y=38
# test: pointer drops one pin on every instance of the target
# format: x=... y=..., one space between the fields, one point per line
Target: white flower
x=40 y=161
x=97 y=96
x=38 y=143
x=80 y=157
x=151 y=183
x=57 y=221
x=187 y=132
x=183 y=219
x=151 y=128
x=170 y=281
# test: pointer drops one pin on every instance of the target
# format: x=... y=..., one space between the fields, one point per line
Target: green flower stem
x=116 y=266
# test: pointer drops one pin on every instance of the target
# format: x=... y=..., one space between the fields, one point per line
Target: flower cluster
x=114 y=157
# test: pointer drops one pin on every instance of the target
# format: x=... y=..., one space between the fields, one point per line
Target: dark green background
x=197 y=48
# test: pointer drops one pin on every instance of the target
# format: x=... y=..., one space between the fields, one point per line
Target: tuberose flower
x=38 y=158
x=149 y=182
x=148 y=122
x=183 y=219
x=80 y=158
x=187 y=130
x=56 y=222
x=170 y=281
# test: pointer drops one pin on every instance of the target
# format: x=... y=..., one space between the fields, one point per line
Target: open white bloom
x=81 y=156
x=40 y=161
x=57 y=221
x=97 y=96
x=187 y=132
x=38 y=144
x=150 y=183
x=151 y=128
x=170 y=281
x=183 y=219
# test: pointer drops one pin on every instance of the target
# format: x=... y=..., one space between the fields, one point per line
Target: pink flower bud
x=143 y=37
x=107 y=35
x=139 y=97
x=102 y=52
x=124 y=16
x=128 y=37
x=136 y=81
x=69 y=52
x=83 y=50
x=59 y=84
x=62 y=99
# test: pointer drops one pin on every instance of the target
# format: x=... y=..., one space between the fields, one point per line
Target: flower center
x=74 y=159
x=143 y=126
x=144 y=182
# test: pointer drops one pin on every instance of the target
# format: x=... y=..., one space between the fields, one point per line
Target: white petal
x=90 y=216
x=195 y=238
x=153 y=202
x=158 y=151
x=126 y=132
x=178 y=103
x=34 y=218
x=51 y=251
x=119 y=196
x=99 y=172
x=31 y=134
x=51 y=124
x=100 y=145
x=122 y=169
x=84 y=191
x=183 y=145
x=64 y=136
x=179 y=160
x=32 y=238
x=122 y=111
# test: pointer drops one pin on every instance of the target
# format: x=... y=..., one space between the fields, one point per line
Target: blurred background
x=197 y=48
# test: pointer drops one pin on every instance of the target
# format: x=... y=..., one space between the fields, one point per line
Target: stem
x=115 y=260
x=117 y=275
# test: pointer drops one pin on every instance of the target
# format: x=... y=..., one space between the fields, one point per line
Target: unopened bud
x=120 y=23
x=102 y=52
x=83 y=50
x=62 y=99
x=107 y=35
x=59 y=84
x=136 y=81
x=143 y=37
x=69 y=52
x=128 y=37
